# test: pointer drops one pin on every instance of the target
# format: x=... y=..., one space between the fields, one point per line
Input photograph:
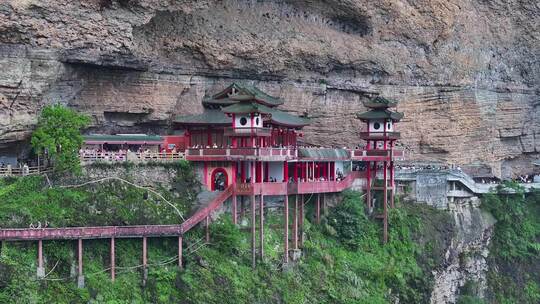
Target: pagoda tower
x=380 y=137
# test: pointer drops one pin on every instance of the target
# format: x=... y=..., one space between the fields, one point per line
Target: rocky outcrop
x=466 y=73
x=465 y=260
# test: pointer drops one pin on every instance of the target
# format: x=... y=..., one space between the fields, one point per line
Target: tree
x=59 y=134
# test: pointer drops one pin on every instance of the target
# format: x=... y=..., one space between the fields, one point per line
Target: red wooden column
x=285 y=171
x=374 y=178
x=144 y=255
x=392 y=185
x=301 y=221
x=180 y=252
x=253 y=236
x=318 y=209
x=296 y=172
x=144 y=260
x=261 y=221
x=286 y=233
x=80 y=277
x=295 y=223
x=113 y=274
x=40 y=268
x=368 y=185
x=242 y=171
x=234 y=211
x=385 y=207
x=328 y=174
x=234 y=172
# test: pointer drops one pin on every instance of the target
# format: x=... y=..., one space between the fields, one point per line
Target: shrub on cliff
x=348 y=219
x=58 y=135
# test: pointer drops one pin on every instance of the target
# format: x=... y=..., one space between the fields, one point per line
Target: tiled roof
x=122 y=138
x=223 y=98
x=208 y=117
x=380 y=114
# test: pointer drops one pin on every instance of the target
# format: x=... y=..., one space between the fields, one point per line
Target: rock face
x=466 y=73
x=466 y=257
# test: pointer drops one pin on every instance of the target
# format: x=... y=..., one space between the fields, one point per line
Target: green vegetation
x=343 y=261
x=514 y=259
x=58 y=135
x=32 y=201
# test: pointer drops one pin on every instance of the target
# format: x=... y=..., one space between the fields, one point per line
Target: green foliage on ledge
x=27 y=201
x=514 y=260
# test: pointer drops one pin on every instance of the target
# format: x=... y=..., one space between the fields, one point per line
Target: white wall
x=238 y=117
x=383 y=126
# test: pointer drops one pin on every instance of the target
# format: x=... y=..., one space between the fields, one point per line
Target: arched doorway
x=219 y=180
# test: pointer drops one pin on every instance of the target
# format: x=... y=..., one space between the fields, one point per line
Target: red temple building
x=244 y=144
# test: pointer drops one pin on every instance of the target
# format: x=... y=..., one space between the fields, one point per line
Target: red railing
x=236 y=152
x=244 y=189
x=214 y=151
x=67 y=233
x=282 y=188
x=201 y=214
x=242 y=152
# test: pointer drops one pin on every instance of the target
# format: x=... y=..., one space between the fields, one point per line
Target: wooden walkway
x=203 y=214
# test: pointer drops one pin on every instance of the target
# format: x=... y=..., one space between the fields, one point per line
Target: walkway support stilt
x=368 y=187
x=385 y=203
x=286 y=232
x=207 y=229
x=295 y=223
x=392 y=185
x=113 y=274
x=80 y=277
x=301 y=221
x=318 y=209
x=234 y=211
x=253 y=236
x=40 y=267
x=144 y=261
x=242 y=207
x=261 y=231
x=180 y=252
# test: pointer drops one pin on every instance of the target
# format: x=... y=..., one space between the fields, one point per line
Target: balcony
x=380 y=135
x=215 y=154
x=281 y=188
x=230 y=131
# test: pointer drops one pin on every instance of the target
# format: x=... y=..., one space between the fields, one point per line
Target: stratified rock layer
x=466 y=73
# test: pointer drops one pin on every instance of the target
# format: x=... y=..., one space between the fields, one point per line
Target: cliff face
x=466 y=73
x=465 y=260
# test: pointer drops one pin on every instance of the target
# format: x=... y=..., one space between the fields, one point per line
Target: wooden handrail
x=201 y=214
x=131 y=156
